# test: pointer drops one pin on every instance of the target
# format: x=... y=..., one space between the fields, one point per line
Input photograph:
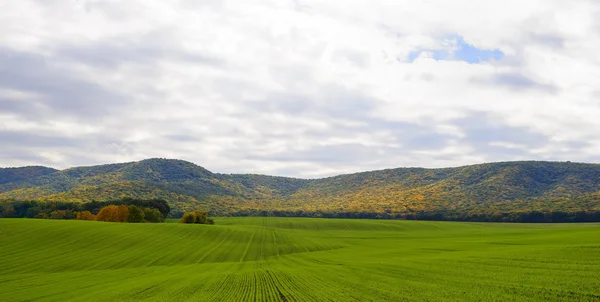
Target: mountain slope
x=8 y=175
x=183 y=184
x=477 y=189
x=505 y=186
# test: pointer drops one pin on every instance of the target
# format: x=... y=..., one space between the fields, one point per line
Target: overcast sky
x=299 y=88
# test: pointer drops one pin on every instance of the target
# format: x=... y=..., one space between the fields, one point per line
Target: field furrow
x=298 y=259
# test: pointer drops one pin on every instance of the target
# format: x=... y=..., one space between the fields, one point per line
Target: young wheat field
x=298 y=259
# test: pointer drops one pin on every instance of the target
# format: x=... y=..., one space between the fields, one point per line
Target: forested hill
x=8 y=175
x=487 y=190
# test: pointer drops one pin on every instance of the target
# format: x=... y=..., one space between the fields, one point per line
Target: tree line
x=527 y=217
x=155 y=210
x=523 y=216
x=123 y=210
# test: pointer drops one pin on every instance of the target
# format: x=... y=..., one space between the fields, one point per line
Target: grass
x=298 y=259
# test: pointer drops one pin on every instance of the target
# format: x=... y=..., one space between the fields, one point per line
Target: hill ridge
x=497 y=187
x=158 y=159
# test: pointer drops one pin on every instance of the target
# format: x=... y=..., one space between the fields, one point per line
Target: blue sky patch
x=459 y=50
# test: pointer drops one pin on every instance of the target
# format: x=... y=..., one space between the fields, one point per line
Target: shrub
x=198 y=217
x=188 y=218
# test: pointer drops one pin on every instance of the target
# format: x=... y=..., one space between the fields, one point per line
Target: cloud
x=15 y=139
x=496 y=140
x=298 y=88
x=133 y=49
x=517 y=82
x=53 y=89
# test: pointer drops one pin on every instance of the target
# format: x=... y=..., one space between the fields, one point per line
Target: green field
x=298 y=259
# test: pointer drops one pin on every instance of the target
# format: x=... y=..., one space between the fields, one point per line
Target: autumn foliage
x=86 y=215
x=131 y=214
x=113 y=213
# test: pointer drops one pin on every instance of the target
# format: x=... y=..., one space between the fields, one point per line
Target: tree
x=135 y=214
x=33 y=212
x=86 y=215
x=108 y=213
x=113 y=213
x=8 y=211
x=122 y=213
x=153 y=215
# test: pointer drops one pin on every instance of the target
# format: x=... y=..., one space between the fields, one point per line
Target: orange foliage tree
x=86 y=215
x=113 y=213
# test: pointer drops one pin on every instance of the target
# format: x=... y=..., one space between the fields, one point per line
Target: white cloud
x=301 y=88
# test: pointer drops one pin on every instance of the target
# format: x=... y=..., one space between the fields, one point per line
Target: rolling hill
x=493 y=190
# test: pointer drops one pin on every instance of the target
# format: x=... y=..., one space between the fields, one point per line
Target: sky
x=299 y=88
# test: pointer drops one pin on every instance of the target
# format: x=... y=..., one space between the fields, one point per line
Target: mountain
x=185 y=185
x=485 y=189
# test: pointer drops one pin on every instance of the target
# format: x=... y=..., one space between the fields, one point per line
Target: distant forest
x=528 y=191
x=534 y=216
x=70 y=210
